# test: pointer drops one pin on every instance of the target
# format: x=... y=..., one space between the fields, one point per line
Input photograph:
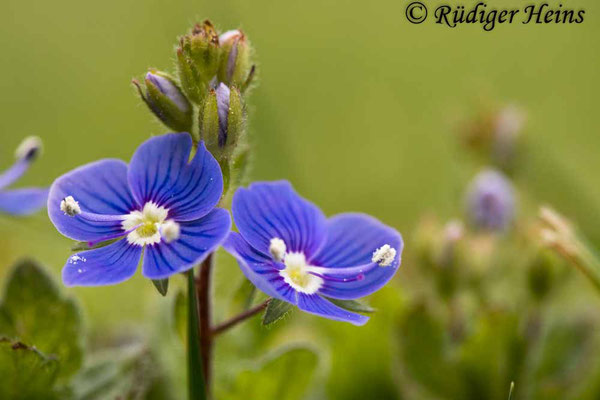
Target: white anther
x=384 y=255
x=27 y=146
x=170 y=230
x=277 y=249
x=70 y=207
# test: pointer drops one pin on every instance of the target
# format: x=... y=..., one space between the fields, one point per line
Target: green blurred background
x=355 y=106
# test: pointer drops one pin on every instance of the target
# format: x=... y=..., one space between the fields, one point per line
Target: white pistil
x=146 y=224
x=277 y=249
x=70 y=207
x=28 y=146
x=170 y=230
x=384 y=255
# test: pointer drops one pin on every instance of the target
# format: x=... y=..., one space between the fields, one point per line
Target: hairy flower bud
x=198 y=60
x=222 y=121
x=166 y=101
x=235 y=65
x=490 y=201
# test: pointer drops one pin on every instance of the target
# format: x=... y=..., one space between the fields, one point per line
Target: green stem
x=196 y=384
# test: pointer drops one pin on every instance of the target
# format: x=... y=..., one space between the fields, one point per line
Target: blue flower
x=162 y=204
x=22 y=201
x=288 y=249
x=490 y=201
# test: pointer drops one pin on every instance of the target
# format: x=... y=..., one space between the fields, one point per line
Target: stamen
x=70 y=207
x=384 y=255
x=277 y=249
x=358 y=277
x=170 y=230
x=29 y=148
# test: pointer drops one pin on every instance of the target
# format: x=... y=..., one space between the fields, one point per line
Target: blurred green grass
x=355 y=107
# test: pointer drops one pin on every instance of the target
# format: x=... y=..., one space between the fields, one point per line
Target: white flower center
x=277 y=249
x=384 y=255
x=149 y=222
x=297 y=274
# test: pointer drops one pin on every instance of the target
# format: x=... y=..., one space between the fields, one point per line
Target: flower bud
x=235 y=66
x=490 y=201
x=166 y=101
x=198 y=60
x=222 y=121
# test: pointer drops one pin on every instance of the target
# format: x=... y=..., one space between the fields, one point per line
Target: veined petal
x=197 y=239
x=259 y=269
x=160 y=172
x=12 y=174
x=23 y=201
x=104 y=266
x=99 y=187
x=317 y=305
x=268 y=210
x=351 y=241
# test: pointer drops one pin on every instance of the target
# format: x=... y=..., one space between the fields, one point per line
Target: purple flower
x=162 y=204
x=490 y=201
x=290 y=251
x=22 y=201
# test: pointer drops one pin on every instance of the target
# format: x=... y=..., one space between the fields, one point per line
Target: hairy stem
x=196 y=384
x=239 y=318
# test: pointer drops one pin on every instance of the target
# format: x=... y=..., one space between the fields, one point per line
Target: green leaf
x=124 y=373
x=352 y=305
x=162 y=285
x=425 y=357
x=285 y=375
x=26 y=373
x=276 y=309
x=34 y=311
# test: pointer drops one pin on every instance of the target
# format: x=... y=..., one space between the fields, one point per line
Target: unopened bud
x=166 y=100
x=222 y=121
x=198 y=60
x=236 y=64
x=490 y=201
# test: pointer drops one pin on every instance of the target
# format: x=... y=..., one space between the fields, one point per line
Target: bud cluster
x=206 y=97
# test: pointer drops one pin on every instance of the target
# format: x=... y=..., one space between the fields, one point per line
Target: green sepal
x=276 y=310
x=162 y=285
x=198 y=60
x=163 y=107
x=352 y=305
x=236 y=121
x=209 y=125
x=191 y=84
x=235 y=72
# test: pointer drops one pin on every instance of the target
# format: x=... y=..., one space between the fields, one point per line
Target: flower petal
x=12 y=174
x=197 y=239
x=159 y=172
x=99 y=187
x=23 y=201
x=268 y=210
x=104 y=266
x=351 y=240
x=259 y=269
x=315 y=304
